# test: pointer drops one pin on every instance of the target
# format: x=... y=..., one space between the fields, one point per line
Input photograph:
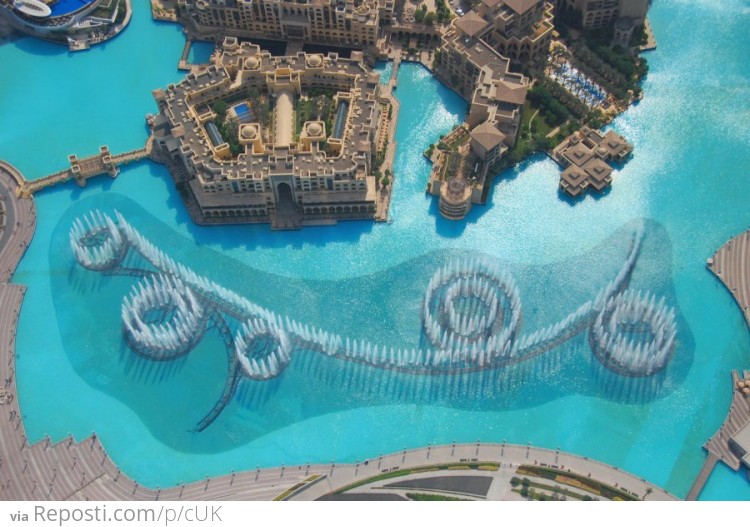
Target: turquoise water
x=365 y=280
x=200 y=52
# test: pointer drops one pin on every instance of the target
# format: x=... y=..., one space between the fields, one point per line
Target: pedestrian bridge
x=83 y=169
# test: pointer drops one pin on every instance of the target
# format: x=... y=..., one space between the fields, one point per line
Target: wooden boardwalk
x=731 y=264
x=738 y=416
x=20 y=221
x=393 y=80
x=718 y=446
x=702 y=478
x=183 y=64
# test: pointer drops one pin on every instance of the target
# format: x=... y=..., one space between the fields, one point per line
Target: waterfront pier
x=731 y=265
x=393 y=81
x=727 y=443
x=702 y=478
x=184 y=65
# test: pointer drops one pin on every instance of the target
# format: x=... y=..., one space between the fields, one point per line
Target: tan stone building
x=518 y=29
x=496 y=97
x=351 y=23
x=482 y=76
x=583 y=155
x=595 y=14
x=289 y=170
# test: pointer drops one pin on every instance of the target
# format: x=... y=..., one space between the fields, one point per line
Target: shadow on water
x=572 y=201
x=142 y=371
x=443 y=226
x=252 y=236
x=39 y=47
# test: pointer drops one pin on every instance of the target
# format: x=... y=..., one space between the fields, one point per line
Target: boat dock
x=184 y=65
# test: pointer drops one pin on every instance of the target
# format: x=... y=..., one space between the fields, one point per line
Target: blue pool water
x=63 y=7
x=244 y=114
x=686 y=180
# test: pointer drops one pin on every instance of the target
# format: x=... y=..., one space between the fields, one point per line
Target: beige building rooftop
x=520 y=6
x=583 y=155
x=512 y=92
x=487 y=136
x=471 y=24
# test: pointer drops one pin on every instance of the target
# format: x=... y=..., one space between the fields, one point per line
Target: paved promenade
x=731 y=264
x=507 y=455
x=719 y=445
x=20 y=221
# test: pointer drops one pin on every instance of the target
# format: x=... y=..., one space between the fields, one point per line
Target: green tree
x=220 y=109
x=542 y=142
x=419 y=14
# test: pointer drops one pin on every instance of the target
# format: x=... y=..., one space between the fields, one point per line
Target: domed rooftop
x=456 y=187
x=456 y=192
x=248 y=132
x=314 y=61
x=252 y=63
x=314 y=129
x=601 y=151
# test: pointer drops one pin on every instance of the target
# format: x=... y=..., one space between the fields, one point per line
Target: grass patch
x=288 y=492
x=577 y=480
x=418 y=496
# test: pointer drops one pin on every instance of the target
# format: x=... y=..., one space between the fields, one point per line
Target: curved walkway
x=72 y=470
x=731 y=265
x=20 y=221
x=508 y=456
x=75 y=44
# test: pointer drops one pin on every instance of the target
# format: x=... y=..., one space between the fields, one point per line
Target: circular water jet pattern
x=162 y=319
x=472 y=310
x=634 y=335
x=96 y=242
x=262 y=349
